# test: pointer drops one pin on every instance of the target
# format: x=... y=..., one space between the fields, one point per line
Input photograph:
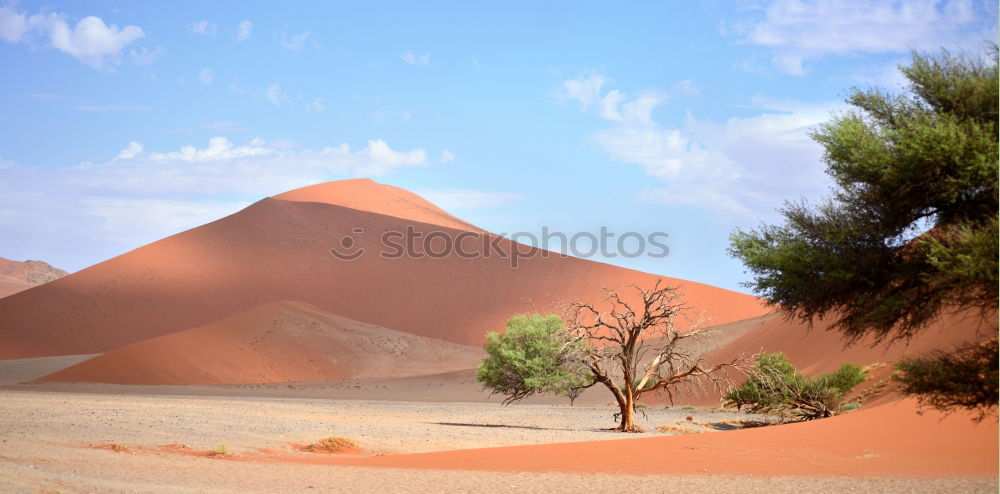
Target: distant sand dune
x=17 y=276
x=278 y=342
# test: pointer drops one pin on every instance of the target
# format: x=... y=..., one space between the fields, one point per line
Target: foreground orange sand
x=889 y=440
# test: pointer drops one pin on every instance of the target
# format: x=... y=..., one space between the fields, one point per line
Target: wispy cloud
x=243 y=30
x=416 y=60
x=206 y=75
x=586 y=89
x=90 y=41
x=743 y=167
x=204 y=28
x=144 y=56
x=274 y=95
x=258 y=166
x=295 y=43
x=801 y=30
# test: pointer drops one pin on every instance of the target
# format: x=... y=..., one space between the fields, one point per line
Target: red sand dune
x=891 y=440
x=280 y=250
x=16 y=276
x=817 y=349
x=365 y=194
x=278 y=342
x=821 y=349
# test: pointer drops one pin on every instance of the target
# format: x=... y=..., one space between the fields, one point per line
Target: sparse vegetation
x=220 y=451
x=670 y=429
x=117 y=448
x=331 y=445
x=774 y=386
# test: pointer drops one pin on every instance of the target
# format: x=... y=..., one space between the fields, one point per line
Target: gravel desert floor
x=64 y=442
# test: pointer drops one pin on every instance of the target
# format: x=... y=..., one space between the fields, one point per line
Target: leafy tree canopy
x=531 y=357
x=912 y=228
x=910 y=232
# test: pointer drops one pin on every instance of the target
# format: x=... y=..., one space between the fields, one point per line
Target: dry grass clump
x=220 y=451
x=117 y=448
x=669 y=429
x=331 y=445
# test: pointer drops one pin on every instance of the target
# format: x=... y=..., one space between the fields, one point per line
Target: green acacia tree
x=910 y=232
x=532 y=356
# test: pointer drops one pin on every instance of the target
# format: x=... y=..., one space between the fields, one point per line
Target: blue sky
x=124 y=122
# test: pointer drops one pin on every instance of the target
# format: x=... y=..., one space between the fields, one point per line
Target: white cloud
x=131 y=151
x=743 y=167
x=609 y=106
x=206 y=76
x=204 y=28
x=801 y=30
x=584 y=89
x=249 y=168
x=295 y=43
x=273 y=94
x=414 y=59
x=90 y=41
x=447 y=156
x=13 y=24
x=243 y=30
x=461 y=199
x=144 y=56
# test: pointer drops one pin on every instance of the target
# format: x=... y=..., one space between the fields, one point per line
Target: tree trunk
x=627 y=407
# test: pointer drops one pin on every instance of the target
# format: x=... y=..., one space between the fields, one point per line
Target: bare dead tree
x=636 y=348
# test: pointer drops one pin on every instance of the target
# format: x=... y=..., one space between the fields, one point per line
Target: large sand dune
x=280 y=250
x=278 y=342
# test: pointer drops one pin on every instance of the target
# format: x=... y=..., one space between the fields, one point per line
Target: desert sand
x=62 y=441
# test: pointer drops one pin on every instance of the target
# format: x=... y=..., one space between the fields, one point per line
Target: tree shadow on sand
x=506 y=426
